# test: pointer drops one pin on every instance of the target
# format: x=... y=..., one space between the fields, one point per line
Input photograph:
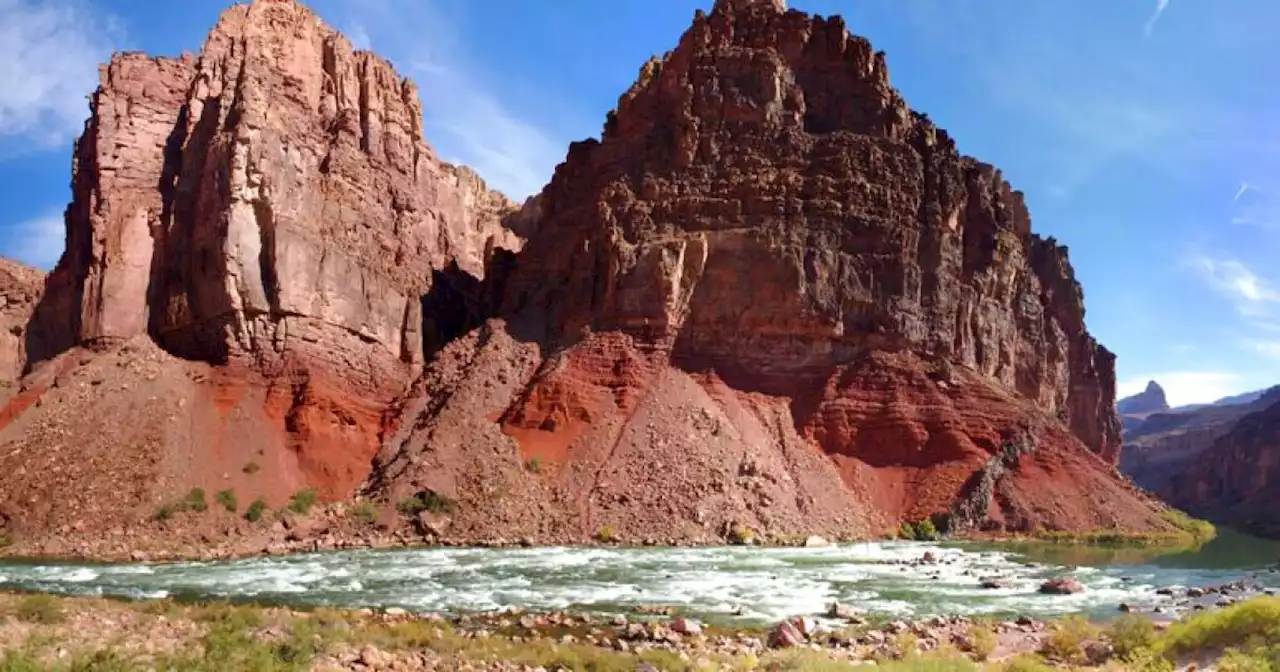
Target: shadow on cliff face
x=458 y=302
x=179 y=320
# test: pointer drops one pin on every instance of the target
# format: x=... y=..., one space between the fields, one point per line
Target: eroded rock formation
x=770 y=299
x=269 y=207
x=1150 y=400
x=772 y=295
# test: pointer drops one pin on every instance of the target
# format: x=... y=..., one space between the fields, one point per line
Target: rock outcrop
x=771 y=296
x=269 y=208
x=1236 y=481
x=1150 y=400
x=20 y=288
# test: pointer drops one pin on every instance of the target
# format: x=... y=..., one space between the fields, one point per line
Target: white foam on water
x=81 y=575
x=761 y=584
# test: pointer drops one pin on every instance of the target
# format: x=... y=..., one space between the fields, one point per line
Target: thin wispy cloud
x=1236 y=280
x=1257 y=206
x=1187 y=387
x=49 y=55
x=1150 y=26
x=1244 y=189
x=464 y=116
x=37 y=242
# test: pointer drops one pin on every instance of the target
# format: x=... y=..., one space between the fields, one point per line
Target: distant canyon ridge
x=1220 y=461
x=769 y=300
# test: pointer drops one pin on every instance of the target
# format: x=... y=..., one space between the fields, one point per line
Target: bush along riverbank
x=42 y=632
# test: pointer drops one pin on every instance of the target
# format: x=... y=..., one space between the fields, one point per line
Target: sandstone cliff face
x=773 y=295
x=20 y=288
x=298 y=210
x=1236 y=481
x=269 y=207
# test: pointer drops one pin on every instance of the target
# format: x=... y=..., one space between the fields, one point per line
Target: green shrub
x=982 y=641
x=606 y=535
x=254 y=513
x=1246 y=627
x=926 y=531
x=1131 y=634
x=427 y=500
x=1266 y=659
x=533 y=465
x=194 y=501
x=302 y=501
x=1066 y=644
x=6 y=540
x=1200 y=530
x=39 y=609
x=251 y=468
x=227 y=498
x=923 y=530
x=366 y=512
x=166 y=512
x=1026 y=663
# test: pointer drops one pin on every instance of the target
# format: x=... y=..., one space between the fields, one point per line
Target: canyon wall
x=1235 y=481
x=256 y=223
x=772 y=295
x=770 y=299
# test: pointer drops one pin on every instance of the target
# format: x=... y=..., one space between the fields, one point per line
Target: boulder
x=1061 y=586
x=787 y=634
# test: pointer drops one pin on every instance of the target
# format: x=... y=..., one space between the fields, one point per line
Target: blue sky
x=1144 y=132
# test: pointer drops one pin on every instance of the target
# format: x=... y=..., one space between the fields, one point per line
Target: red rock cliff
x=773 y=295
x=269 y=207
x=20 y=288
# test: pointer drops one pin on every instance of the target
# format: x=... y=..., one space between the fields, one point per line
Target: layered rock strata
x=772 y=296
x=269 y=207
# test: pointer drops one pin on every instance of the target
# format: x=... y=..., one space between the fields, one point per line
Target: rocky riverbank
x=194 y=528
x=45 y=632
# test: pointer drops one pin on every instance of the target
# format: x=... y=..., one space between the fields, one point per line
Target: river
x=732 y=585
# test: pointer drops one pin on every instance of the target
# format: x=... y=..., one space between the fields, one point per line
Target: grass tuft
x=302 y=501
x=427 y=500
x=366 y=512
x=1130 y=635
x=44 y=609
x=227 y=498
x=1066 y=644
x=254 y=513
x=1248 y=627
x=606 y=535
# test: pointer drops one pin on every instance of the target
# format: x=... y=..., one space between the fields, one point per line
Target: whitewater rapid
x=730 y=585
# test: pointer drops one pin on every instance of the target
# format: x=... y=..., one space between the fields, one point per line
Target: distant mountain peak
x=1150 y=400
